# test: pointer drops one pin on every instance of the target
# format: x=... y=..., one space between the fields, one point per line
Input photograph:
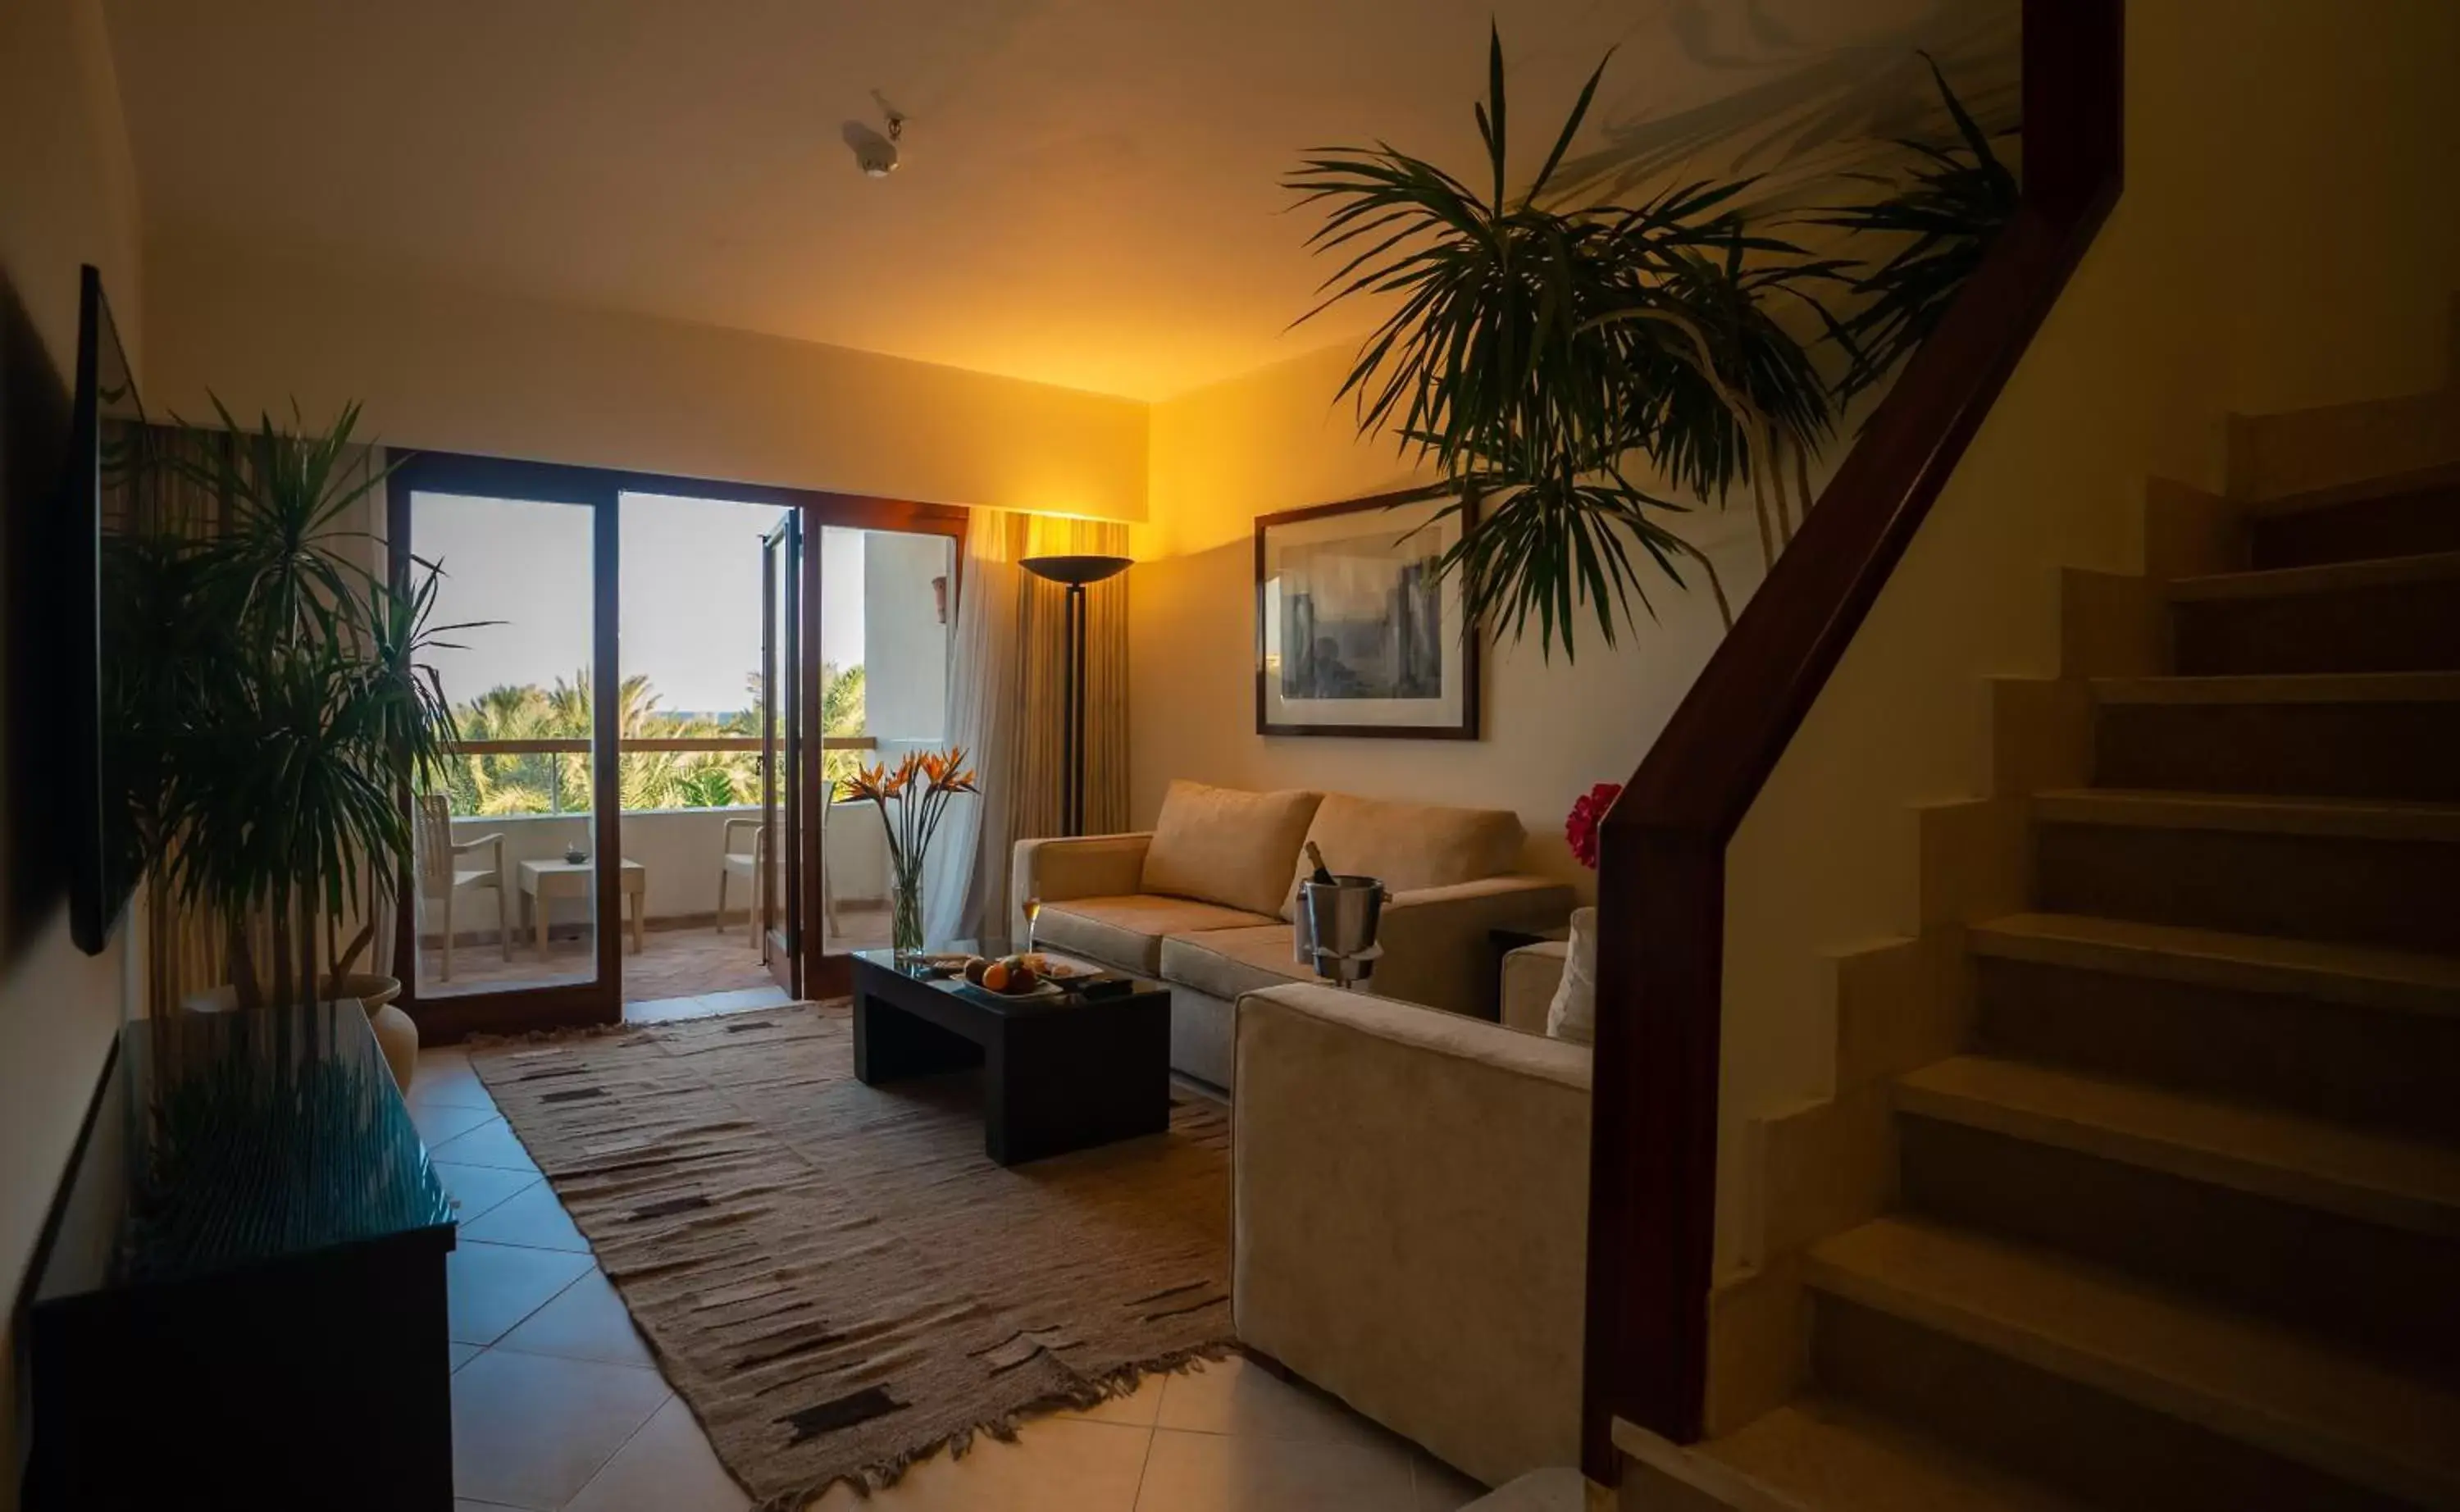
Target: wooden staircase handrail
x=1662 y=872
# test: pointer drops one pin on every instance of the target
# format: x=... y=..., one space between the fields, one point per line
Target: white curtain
x=1007 y=680
x=983 y=717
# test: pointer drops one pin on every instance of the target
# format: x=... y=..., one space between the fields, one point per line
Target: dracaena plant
x=1946 y=208
x=1547 y=360
x=281 y=710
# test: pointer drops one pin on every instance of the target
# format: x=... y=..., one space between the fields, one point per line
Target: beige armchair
x=442 y=878
x=1409 y=1212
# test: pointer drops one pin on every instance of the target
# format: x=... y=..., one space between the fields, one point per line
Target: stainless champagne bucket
x=1336 y=926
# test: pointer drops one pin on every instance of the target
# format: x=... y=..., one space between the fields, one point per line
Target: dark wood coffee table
x=1059 y=1073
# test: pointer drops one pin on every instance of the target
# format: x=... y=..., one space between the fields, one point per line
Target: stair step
x=2373 y=871
x=2375 y=1178
x=2360 y=1036
x=2413 y=515
x=2269 y=1389
x=2358 y=975
x=2381 y=734
x=2433 y=687
x=2385 y=614
x=2330 y=577
x=1821 y=1452
x=2327 y=818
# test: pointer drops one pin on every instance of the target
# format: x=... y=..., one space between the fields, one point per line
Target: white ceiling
x=1090 y=194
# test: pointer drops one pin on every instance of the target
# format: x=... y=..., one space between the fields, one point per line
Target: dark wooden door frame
x=566 y=1005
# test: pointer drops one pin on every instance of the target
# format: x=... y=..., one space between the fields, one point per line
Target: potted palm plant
x=282 y=713
x=1534 y=351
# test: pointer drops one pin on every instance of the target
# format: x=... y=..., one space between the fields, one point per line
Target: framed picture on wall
x=1355 y=633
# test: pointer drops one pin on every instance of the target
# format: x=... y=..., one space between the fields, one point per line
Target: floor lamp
x=1077 y=573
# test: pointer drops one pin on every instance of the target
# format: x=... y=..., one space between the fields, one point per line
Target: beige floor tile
x=1200 y=1472
x=534 y=1218
x=530 y=1430
x=1057 y=1464
x=665 y=1009
x=1240 y=1397
x=587 y=1321
x=491 y=1141
x=440 y=1124
x=438 y=1058
x=449 y=1085
x=667 y=1466
x=1138 y=1408
x=1441 y=1488
x=771 y=996
x=478 y=1191
x=490 y=1287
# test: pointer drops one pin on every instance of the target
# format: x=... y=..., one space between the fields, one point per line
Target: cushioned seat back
x=1408 y=845
x=1226 y=846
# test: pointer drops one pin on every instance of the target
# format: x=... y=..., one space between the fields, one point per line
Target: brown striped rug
x=834 y=1276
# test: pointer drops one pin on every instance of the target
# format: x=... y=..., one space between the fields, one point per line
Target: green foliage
x=1531 y=350
x=1952 y=204
x=268 y=731
x=558 y=781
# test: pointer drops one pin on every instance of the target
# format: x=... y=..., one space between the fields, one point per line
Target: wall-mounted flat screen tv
x=106 y=436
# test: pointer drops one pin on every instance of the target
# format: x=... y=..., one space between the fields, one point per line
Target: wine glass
x=1032 y=911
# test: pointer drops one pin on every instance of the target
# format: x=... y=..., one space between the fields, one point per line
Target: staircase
x=2181 y=1230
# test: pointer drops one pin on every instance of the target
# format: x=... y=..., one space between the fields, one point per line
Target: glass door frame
x=576 y=1004
x=782 y=813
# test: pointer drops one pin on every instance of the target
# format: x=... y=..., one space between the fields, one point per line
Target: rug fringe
x=1124 y=1381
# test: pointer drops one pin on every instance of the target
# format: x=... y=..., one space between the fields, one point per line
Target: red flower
x=1588 y=812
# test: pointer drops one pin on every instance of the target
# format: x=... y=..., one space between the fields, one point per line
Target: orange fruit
x=995 y=976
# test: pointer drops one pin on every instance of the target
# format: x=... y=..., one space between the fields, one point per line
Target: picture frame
x=1356 y=637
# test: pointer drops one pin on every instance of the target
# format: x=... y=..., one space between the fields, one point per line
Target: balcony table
x=542 y=881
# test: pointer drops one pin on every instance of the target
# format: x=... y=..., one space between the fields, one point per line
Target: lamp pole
x=1077 y=573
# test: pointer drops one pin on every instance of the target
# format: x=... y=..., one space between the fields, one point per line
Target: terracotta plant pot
x=395 y=1033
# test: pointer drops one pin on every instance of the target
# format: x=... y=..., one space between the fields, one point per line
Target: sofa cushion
x=1127 y=931
x=1225 y=846
x=1229 y=961
x=1407 y=846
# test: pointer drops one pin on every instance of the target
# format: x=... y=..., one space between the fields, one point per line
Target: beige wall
x=454 y=370
x=1274 y=441
x=2290 y=236
x=67 y=196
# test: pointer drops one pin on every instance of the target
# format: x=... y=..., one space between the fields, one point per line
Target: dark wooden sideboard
x=240 y=1297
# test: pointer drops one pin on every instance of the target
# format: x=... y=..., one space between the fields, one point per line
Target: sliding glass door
x=510 y=916
x=660 y=829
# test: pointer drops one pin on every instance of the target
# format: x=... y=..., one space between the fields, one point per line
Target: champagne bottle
x=1315 y=858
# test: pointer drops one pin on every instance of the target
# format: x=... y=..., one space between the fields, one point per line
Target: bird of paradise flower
x=922 y=784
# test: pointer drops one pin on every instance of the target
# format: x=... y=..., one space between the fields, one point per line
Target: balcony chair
x=749 y=865
x=441 y=876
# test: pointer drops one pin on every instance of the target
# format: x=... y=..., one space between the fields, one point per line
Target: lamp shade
x=1077 y=570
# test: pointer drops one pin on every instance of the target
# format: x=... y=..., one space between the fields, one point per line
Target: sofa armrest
x=1436 y=949
x=1531 y=975
x=1084 y=866
x=1409 y=1211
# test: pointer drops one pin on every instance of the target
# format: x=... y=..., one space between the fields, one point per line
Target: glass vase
x=905 y=903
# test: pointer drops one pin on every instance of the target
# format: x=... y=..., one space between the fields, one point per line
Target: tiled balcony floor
x=685 y=961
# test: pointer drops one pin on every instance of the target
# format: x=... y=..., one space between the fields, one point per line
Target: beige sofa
x=1410 y=1223
x=1205 y=901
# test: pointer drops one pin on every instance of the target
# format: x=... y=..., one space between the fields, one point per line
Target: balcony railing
x=631 y=745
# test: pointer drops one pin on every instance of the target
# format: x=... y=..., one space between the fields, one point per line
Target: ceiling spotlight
x=874 y=153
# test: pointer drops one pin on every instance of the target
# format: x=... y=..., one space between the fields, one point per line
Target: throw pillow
x=1227 y=846
x=1573 y=1015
